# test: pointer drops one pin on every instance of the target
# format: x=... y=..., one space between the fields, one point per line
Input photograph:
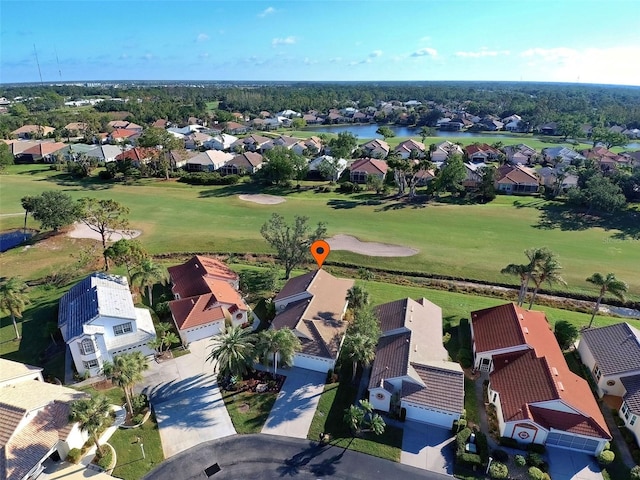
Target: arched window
x=87 y=347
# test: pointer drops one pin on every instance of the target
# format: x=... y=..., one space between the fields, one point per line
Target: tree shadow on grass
x=89 y=183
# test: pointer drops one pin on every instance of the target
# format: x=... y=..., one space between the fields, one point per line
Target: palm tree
x=359 y=348
x=29 y=204
x=14 y=299
x=357 y=297
x=608 y=283
x=282 y=344
x=536 y=257
x=169 y=339
x=125 y=371
x=93 y=415
x=520 y=271
x=233 y=351
x=148 y=275
x=548 y=271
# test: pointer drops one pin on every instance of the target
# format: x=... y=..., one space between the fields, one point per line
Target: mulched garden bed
x=256 y=381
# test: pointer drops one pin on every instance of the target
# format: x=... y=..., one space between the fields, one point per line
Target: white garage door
x=312 y=363
x=427 y=415
x=207 y=331
x=572 y=442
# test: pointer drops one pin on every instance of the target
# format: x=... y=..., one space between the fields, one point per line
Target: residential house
x=208 y=161
x=120 y=135
x=74 y=151
x=538 y=399
x=180 y=157
x=313 y=306
x=234 y=128
x=314 y=168
x=243 y=164
x=550 y=128
x=312 y=146
x=223 y=141
x=445 y=150
x=410 y=147
x=160 y=123
x=181 y=132
x=206 y=298
x=75 y=129
x=473 y=175
x=43 y=152
x=516 y=179
x=251 y=143
x=376 y=148
x=98 y=321
x=423 y=177
x=454 y=124
x=138 y=155
x=35 y=421
x=605 y=158
x=363 y=168
x=632 y=158
x=125 y=125
x=411 y=372
x=312 y=119
x=282 y=141
x=481 y=152
x=632 y=133
x=196 y=140
x=550 y=177
x=32 y=131
x=489 y=124
x=512 y=123
x=18 y=146
x=561 y=155
x=612 y=355
x=520 y=154
x=106 y=153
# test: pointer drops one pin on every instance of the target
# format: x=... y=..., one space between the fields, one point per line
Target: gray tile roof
x=632 y=397
x=391 y=315
x=443 y=390
x=98 y=294
x=616 y=348
x=392 y=358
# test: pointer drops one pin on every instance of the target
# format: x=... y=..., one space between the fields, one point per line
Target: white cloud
x=147 y=56
x=550 y=54
x=425 y=52
x=308 y=61
x=335 y=60
x=202 y=37
x=375 y=53
x=482 y=53
x=425 y=39
x=267 y=11
x=283 y=41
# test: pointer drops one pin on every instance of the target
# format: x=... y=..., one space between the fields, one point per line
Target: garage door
x=204 y=332
x=311 y=363
x=572 y=442
x=427 y=415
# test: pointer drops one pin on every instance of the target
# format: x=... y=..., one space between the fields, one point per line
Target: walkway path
x=618 y=439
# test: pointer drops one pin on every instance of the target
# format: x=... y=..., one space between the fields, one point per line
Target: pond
x=12 y=239
x=369 y=131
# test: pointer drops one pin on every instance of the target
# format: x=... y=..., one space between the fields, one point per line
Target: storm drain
x=212 y=470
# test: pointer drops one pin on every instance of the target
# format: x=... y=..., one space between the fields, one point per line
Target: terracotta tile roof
x=123 y=133
x=138 y=154
x=44 y=148
x=632 y=397
x=443 y=388
x=187 y=278
x=615 y=348
x=369 y=165
x=225 y=293
x=392 y=358
x=43 y=129
x=195 y=311
x=497 y=327
x=160 y=123
x=10 y=418
x=568 y=422
x=481 y=148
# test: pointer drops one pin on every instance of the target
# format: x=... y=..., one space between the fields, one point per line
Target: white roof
x=10 y=369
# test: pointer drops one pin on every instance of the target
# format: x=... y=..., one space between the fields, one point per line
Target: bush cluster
x=349 y=187
x=537 y=474
x=635 y=473
x=509 y=442
x=520 y=460
x=500 y=456
x=105 y=460
x=74 y=455
x=209 y=178
x=606 y=457
x=498 y=470
x=536 y=460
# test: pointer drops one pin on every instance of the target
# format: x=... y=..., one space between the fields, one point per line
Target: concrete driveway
x=428 y=447
x=296 y=404
x=187 y=401
x=569 y=465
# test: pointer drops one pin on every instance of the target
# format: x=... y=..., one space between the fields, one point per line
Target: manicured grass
x=115 y=395
x=470 y=404
x=249 y=410
x=470 y=241
x=329 y=419
x=131 y=465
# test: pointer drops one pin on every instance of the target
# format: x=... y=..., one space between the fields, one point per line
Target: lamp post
x=142 y=448
x=489 y=465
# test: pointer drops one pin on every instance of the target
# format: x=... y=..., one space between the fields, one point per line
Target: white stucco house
x=538 y=399
x=98 y=321
x=222 y=141
x=411 y=370
x=612 y=355
x=313 y=306
x=206 y=298
x=34 y=421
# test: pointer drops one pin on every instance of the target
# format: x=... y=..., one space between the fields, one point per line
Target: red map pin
x=320 y=249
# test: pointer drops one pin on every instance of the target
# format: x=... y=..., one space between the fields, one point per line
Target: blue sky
x=587 y=41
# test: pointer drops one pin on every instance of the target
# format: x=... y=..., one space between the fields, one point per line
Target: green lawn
x=131 y=465
x=248 y=410
x=329 y=419
x=470 y=403
x=115 y=395
x=470 y=241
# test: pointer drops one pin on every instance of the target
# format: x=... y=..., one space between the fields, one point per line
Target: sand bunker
x=372 y=249
x=262 y=199
x=80 y=230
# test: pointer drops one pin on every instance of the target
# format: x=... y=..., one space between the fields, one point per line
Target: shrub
x=349 y=187
x=500 y=456
x=483 y=446
x=470 y=460
x=636 y=456
x=74 y=455
x=537 y=474
x=137 y=420
x=464 y=334
x=607 y=446
x=606 y=457
x=536 y=448
x=520 y=460
x=329 y=375
x=498 y=470
x=105 y=460
x=635 y=473
x=139 y=403
x=509 y=442
x=461 y=440
x=462 y=423
x=535 y=460
x=465 y=357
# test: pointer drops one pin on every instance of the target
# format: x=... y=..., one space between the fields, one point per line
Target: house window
x=90 y=364
x=87 y=347
x=597 y=373
x=625 y=411
x=495 y=397
x=632 y=422
x=122 y=329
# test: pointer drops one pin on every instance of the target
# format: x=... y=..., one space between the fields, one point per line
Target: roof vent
x=525 y=330
x=415 y=348
x=521 y=316
x=411 y=318
x=554 y=370
x=560 y=386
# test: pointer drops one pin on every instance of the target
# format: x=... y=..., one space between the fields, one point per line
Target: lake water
x=369 y=131
x=12 y=239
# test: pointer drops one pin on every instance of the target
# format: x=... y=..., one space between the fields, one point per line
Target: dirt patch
x=372 y=249
x=244 y=408
x=80 y=230
x=262 y=199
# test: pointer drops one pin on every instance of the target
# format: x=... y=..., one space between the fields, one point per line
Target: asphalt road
x=268 y=457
